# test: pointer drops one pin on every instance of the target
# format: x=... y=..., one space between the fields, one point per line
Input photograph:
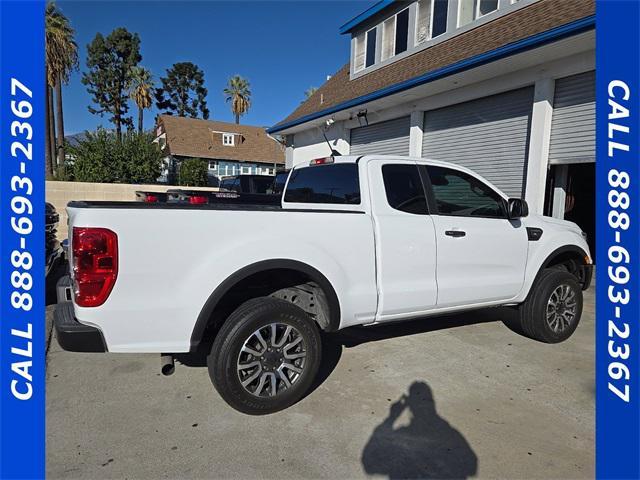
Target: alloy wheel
x=561 y=308
x=271 y=360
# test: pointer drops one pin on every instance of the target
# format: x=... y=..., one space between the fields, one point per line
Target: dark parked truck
x=354 y=241
x=247 y=189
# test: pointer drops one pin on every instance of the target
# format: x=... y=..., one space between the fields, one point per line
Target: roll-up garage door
x=489 y=136
x=573 y=124
x=384 y=138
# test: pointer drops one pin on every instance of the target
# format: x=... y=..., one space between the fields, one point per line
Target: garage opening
x=571 y=179
x=571 y=195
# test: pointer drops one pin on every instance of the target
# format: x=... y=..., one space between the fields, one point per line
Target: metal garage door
x=573 y=124
x=489 y=136
x=384 y=138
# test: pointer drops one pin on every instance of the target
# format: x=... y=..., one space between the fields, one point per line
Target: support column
x=288 y=152
x=539 y=136
x=415 y=134
x=559 y=191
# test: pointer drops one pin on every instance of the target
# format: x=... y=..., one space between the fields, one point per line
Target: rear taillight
x=198 y=199
x=151 y=199
x=95 y=264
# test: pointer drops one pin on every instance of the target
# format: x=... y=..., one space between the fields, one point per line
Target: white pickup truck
x=356 y=241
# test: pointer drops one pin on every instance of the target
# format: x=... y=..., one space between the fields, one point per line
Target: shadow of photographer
x=429 y=447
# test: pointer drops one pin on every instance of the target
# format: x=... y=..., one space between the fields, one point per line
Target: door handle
x=455 y=233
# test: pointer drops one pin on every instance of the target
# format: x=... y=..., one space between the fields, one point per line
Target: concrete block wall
x=61 y=193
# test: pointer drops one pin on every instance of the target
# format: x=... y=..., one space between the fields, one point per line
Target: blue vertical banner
x=22 y=197
x=618 y=239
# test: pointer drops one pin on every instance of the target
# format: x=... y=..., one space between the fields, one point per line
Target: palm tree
x=238 y=93
x=61 y=58
x=140 y=91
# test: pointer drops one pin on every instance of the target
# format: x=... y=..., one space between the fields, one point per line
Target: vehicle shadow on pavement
x=333 y=343
x=428 y=447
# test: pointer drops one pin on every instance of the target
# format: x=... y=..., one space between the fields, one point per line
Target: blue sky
x=283 y=48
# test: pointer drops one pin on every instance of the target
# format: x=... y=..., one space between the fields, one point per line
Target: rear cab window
x=404 y=189
x=336 y=184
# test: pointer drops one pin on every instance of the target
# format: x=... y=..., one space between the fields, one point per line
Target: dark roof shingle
x=192 y=137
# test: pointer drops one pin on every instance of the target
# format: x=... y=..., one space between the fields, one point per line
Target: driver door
x=481 y=255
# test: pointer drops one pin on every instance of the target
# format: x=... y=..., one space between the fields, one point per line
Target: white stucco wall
x=311 y=144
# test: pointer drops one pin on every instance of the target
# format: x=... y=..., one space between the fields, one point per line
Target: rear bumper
x=74 y=336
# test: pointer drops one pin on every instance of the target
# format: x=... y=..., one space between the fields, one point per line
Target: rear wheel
x=265 y=356
x=552 y=310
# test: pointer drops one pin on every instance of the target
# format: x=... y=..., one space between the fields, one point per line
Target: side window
x=231 y=184
x=404 y=189
x=459 y=194
x=337 y=183
x=261 y=185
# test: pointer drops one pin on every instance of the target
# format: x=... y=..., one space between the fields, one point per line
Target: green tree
x=140 y=91
x=182 y=92
x=193 y=173
x=61 y=58
x=310 y=91
x=110 y=61
x=238 y=93
x=104 y=157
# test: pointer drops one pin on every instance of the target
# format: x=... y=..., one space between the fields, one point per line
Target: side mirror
x=517 y=208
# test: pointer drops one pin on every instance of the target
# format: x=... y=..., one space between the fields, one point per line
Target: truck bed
x=126 y=205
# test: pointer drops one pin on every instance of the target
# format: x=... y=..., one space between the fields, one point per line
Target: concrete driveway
x=447 y=397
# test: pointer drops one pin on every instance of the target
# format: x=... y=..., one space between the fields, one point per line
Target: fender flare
x=245 y=272
x=559 y=251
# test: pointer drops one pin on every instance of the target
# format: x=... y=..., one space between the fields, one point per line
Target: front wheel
x=265 y=356
x=552 y=310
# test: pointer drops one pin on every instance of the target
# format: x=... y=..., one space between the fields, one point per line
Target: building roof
x=341 y=92
x=364 y=16
x=192 y=137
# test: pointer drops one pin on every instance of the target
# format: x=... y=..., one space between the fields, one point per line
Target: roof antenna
x=328 y=123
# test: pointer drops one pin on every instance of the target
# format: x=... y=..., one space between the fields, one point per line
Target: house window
x=358 y=60
x=402 y=31
x=371 y=47
x=395 y=31
x=431 y=19
x=486 y=6
x=227 y=139
x=213 y=165
x=245 y=170
x=439 y=17
x=469 y=10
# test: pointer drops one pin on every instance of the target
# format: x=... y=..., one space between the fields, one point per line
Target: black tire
x=532 y=314
x=223 y=361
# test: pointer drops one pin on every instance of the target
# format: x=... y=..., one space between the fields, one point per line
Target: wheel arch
x=564 y=254
x=227 y=286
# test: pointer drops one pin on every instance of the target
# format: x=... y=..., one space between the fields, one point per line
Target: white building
x=505 y=87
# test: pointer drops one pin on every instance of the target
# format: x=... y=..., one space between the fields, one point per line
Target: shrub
x=101 y=157
x=193 y=173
